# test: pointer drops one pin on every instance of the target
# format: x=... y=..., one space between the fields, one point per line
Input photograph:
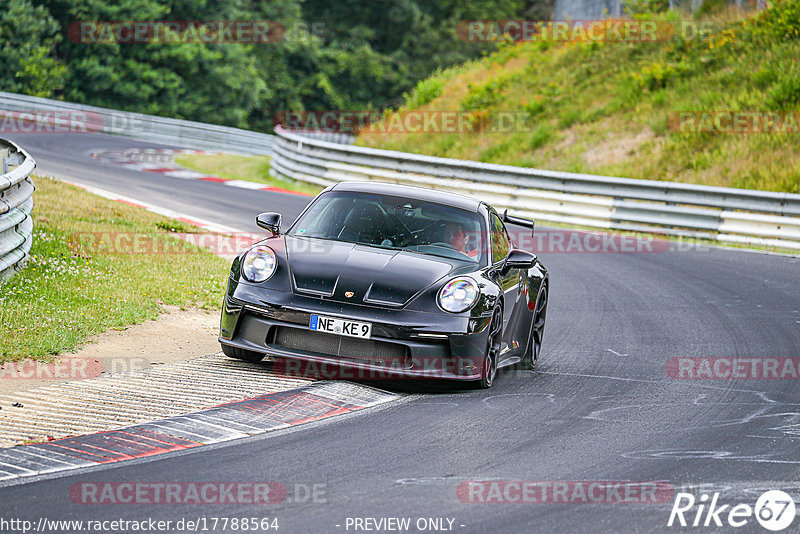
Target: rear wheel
x=489 y=370
x=537 y=332
x=242 y=354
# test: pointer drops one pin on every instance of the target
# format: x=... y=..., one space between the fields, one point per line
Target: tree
x=28 y=35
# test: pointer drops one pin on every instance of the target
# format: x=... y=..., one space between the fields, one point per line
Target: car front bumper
x=404 y=344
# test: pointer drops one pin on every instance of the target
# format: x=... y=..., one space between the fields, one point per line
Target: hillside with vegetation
x=610 y=108
x=320 y=55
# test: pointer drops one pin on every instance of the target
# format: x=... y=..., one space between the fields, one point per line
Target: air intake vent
x=366 y=350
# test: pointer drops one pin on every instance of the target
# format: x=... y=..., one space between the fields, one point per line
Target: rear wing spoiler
x=521 y=221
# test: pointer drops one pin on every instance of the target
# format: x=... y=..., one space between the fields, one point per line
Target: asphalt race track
x=600 y=406
x=69 y=156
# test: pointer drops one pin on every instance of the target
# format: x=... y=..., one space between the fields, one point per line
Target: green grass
x=604 y=107
x=248 y=168
x=75 y=286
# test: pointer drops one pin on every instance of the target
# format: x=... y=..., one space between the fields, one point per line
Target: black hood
x=351 y=273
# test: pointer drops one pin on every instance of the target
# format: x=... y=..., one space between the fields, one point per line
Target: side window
x=500 y=241
x=508 y=238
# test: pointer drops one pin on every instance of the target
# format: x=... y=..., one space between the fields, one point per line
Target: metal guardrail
x=16 y=204
x=331 y=137
x=723 y=214
x=689 y=210
x=176 y=132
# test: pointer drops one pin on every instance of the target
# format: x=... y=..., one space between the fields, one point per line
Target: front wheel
x=242 y=354
x=489 y=370
x=537 y=332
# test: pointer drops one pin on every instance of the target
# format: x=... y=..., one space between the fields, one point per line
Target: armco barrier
x=16 y=204
x=720 y=213
x=175 y=132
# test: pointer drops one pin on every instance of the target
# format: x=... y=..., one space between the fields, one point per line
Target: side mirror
x=520 y=259
x=270 y=221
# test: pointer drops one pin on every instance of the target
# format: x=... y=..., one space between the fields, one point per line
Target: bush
x=28 y=37
x=781 y=21
x=657 y=75
x=484 y=97
x=785 y=93
x=425 y=91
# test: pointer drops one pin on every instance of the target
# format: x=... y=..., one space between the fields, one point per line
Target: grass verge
x=77 y=285
x=248 y=168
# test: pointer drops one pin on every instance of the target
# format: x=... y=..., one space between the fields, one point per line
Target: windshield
x=396 y=223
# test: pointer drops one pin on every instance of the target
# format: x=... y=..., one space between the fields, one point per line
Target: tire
x=489 y=367
x=534 y=347
x=242 y=354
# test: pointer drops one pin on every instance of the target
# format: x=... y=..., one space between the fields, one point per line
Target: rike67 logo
x=774 y=510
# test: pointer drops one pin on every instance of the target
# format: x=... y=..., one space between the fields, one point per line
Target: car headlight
x=259 y=264
x=458 y=295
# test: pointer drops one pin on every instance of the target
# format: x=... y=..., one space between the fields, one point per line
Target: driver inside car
x=458 y=239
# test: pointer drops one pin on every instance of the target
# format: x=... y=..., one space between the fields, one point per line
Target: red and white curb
x=223 y=423
x=161 y=160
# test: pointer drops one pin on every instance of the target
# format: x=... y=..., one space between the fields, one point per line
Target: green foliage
x=568 y=117
x=542 y=134
x=28 y=35
x=612 y=109
x=657 y=75
x=637 y=7
x=486 y=96
x=710 y=7
x=538 y=106
x=86 y=276
x=183 y=80
x=425 y=91
x=784 y=94
x=781 y=21
x=353 y=55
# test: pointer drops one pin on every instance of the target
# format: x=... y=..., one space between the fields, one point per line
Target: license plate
x=342 y=327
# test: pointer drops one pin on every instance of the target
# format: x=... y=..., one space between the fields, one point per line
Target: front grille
x=367 y=350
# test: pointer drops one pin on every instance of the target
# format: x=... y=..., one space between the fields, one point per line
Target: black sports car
x=392 y=281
